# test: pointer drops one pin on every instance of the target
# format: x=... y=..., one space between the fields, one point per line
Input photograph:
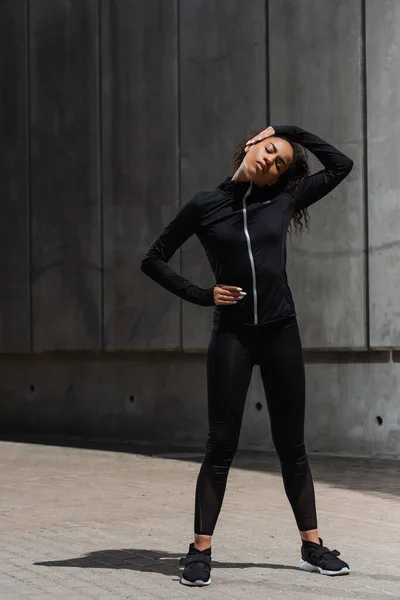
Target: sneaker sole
x=198 y=582
x=306 y=566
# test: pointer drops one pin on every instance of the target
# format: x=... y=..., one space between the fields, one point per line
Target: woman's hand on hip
x=266 y=133
x=227 y=294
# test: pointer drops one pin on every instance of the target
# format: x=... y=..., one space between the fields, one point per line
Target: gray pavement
x=99 y=524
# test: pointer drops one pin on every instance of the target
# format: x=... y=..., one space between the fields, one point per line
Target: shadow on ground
x=154 y=561
x=167 y=563
x=371 y=475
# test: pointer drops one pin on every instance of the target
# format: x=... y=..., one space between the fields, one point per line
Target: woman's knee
x=222 y=440
x=292 y=456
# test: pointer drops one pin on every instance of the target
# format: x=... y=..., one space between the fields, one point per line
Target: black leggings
x=232 y=353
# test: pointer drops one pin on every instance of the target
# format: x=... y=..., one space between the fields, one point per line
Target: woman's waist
x=224 y=322
x=249 y=315
x=252 y=279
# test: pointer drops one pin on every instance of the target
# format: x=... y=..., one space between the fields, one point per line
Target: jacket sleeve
x=337 y=165
x=154 y=263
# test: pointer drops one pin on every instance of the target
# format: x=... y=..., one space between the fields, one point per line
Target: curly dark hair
x=290 y=180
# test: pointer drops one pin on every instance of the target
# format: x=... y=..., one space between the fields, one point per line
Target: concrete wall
x=223 y=96
x=98 y=90
x=64 y=163
x=352 y=407
x=140 y=168
x=316 y=81
x=15 y=335
x=383 y=129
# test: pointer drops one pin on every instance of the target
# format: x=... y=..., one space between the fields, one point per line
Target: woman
x=243 y=225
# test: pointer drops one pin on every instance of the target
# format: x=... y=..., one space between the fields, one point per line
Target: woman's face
x=267 y=160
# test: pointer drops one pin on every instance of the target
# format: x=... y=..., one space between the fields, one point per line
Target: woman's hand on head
x=227 y=294
x=266 y=133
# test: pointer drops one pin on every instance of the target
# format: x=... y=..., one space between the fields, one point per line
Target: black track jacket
x=243 y=229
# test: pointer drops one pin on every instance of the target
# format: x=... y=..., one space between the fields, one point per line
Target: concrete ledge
x=160 y=398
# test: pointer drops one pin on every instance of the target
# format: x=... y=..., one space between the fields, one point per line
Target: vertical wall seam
x=364 y=112
x=100 y=160
x=28 y=117
x=267 y=67
x=179 y=157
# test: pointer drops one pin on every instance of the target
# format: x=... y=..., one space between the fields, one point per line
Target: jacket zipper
x=250 y=252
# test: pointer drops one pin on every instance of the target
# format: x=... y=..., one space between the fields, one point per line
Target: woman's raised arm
x=336 y=164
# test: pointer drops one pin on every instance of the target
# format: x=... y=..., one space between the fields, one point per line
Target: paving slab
x=101 y=524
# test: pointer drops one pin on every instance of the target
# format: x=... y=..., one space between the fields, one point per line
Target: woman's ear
x=246 y=149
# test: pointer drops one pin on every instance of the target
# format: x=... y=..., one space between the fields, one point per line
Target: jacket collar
x=237 y=189
x=233 y=187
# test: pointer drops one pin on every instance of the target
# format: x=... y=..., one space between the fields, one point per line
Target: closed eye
x=271 y=149
x=279 y=161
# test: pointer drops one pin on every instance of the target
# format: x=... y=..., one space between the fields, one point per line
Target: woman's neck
x=240 y=174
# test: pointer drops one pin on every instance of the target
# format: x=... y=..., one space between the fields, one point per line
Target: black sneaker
x=317 y=558
x=197 y=567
